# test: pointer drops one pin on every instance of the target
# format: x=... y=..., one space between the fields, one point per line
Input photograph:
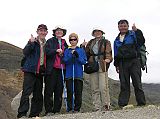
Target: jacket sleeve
x=28 y=48
x=116 y=61
x=108 y=51
x=67 y=58
x=50 y=51
x=140 y=37
x=82 y=59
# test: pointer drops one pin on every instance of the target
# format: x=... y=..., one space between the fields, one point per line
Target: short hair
x=122 y=21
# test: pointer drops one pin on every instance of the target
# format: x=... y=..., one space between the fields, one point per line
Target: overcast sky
x=20 y=18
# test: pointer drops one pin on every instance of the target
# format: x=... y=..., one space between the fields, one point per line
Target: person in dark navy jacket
x=34 y=70
x=127 y=62
x=55 y=47
x=74 y=58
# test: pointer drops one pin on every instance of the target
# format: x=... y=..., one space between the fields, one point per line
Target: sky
x=20 y=18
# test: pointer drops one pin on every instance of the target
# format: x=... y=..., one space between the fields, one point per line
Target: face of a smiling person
x=73 y=41
x=42 y=33
x=123 y=28
x=59 y=33
x=97 y=34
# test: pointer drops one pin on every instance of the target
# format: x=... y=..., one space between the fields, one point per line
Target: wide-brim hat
x=97 y=29
x=61 y=28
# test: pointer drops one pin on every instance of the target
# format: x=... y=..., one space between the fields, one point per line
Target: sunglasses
x=72 y=39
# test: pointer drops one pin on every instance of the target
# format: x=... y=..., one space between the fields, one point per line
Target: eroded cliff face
x=10 y=85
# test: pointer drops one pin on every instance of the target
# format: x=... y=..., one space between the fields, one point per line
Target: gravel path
x=150 y=112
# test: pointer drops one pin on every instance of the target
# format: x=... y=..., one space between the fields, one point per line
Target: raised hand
x=32 y=39
x=134 y=28
x=84 y=43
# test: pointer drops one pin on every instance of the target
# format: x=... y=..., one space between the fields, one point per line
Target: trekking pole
x=73 y=86
x=64 y=88
x=64 y=84
x=106 y=78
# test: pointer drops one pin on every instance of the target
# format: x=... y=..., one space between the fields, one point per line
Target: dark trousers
x=53 y=84
x=78 y=87
x=130 y=68
x=32 y=84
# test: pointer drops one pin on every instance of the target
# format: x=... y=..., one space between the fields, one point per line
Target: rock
x=16 y=101
x=151 y=106
x=128 y=107
x=3 y=114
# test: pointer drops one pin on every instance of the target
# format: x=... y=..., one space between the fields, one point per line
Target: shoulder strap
x=99 y=50
x=105 y=41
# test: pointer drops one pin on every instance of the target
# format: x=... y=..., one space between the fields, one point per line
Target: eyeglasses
x=72 y=39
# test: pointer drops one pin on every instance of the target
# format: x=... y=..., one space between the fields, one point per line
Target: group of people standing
x=58 y=65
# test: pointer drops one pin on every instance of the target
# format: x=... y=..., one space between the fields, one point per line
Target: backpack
x=23 y=60
x=143 y=57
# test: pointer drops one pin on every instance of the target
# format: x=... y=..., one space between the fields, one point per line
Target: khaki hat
x=61 y=28
x=73 y=35
x=97 y=29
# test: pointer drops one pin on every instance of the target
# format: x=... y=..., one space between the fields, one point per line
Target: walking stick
x=64 y=88
x=64 y=84
x=73 y=86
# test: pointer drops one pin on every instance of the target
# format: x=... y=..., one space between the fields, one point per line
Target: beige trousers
x=99 y=88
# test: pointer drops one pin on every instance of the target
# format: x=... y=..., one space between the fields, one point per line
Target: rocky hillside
x=10 y=56
x=11 y=84
x=10 y=77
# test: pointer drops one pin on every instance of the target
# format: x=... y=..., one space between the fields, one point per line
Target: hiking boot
x=33 y=115
x=20 y=115
x=49 y=114
x=105 y=108
x=23 y=117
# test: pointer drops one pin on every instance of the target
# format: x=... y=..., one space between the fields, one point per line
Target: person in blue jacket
x=34 y=71
x=76 y=56
x=127 y=62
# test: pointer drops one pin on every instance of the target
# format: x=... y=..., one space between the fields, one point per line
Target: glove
x=75 y=53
